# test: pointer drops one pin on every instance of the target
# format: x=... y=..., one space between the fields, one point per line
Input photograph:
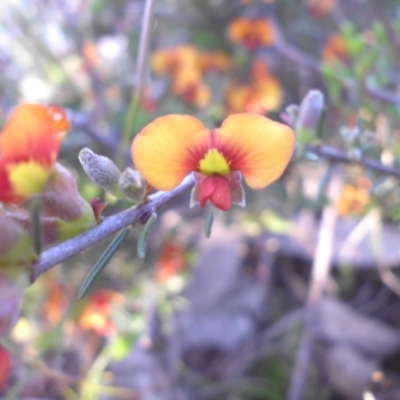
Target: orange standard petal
x=34 y=132
x=256 y=146
x=29 y=147
x=169 y=148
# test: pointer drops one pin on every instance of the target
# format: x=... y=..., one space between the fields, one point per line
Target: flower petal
x=34 y=131
x=215 y=189
x=256 y=146
x=6 y=191
x=167 y=149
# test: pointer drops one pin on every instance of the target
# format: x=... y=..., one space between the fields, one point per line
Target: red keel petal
x=216 y=189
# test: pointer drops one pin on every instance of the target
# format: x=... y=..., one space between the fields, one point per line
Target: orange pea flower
x=170 y=61
x=172 y=146
x=188 y=84
x=29 y=147
x=354 y=199
x=256 y=99
x=186 y=66
x=263 y=94
x=252 y=33
x=336 y=49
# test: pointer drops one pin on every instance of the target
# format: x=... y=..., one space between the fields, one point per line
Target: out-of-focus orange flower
x=171 y=261
x=319 y=8
x=262 y=95
x=187 y=66
x=252 y=33
x=96 y=315
x=354 y=199
x=215 y=61
x=336 y=49
x=197 y=95
x=5 y=367
x=170 y=61
x=171 y=147
x=183 y=64
x=29 y=147
x=189 y=85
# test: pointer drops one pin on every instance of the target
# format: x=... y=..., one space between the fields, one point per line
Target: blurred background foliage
x=220 y=319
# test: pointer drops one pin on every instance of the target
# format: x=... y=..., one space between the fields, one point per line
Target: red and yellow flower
x=252 y=33
x=172 y=146
x=29 y=146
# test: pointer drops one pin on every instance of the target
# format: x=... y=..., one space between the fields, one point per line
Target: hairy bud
x=309 y=116
x=62 y=201
x=133 y=185
x=101 y=170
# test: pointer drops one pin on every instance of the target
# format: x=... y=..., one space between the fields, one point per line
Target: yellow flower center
x=214 y=163
x=28 y=178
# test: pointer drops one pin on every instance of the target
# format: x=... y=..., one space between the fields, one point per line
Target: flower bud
x=62 y=201
x=310 y=113
x=133 y=185
x=15 y=244
x=101 y=170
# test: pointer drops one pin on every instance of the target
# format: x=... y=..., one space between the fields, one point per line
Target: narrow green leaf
x=35 y=209
x=208 y=222
x=145 y=234
x=102 y=262
x=321 y=123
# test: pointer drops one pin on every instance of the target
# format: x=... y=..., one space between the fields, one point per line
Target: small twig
x=139 y=84
x=110 y=225
x=319 y=280
x=296 y=55
x=299 y=57
x=337 y=155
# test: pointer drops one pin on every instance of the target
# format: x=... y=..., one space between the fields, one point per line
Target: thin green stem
x=133 y=109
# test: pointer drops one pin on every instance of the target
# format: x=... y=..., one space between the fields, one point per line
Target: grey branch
x=333 y=154
x=107 y=227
